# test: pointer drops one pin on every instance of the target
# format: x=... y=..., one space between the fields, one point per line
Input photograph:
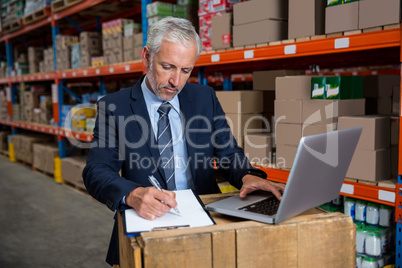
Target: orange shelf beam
x=358 y=42
x=26 y=29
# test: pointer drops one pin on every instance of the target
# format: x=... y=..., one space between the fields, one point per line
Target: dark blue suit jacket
x=124 y=140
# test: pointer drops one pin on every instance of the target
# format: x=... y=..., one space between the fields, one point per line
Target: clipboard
x=192 y=210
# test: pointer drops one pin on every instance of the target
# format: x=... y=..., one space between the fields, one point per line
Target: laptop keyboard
x=267 y=206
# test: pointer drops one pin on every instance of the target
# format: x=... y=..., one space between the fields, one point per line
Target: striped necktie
x=165 y=144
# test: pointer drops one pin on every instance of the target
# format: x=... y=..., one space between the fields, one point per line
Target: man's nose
x=175 y=78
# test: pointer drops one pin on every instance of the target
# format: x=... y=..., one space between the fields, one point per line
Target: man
x=167 y=128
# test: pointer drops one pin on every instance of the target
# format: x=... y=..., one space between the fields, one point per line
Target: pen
x=156 y=184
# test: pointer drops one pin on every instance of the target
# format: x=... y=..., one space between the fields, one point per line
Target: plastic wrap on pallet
x=33 y=5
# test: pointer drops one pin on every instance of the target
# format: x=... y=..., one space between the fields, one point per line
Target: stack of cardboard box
x=90 y=46
x=31 y=101
x=297 y=115
x=63 y=50
x=35 y=55
x=43 y=156
x=379 y=91
x=243 y=111
x=47 y=65
x=23 y=145
x=46 y=111
x=206 y=11
x=353 y=15
x=112 y=40
x=71 y=169
x=371 y=160
x=132 y=42
x=221 y=31
x=16 y=110
x=259 y=21
x=3 y=105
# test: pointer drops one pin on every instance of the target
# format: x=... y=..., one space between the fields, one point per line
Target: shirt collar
x=153 y=99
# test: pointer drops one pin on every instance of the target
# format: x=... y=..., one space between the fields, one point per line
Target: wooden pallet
x=4 y=152
x=12 y=26
x=59 y=5
x=307 y=38
x=36 y=16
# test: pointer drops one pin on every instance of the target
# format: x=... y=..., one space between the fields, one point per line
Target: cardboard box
x=117 y=41
x=256 y=10
x=394 y=161
x=342 y=18
x=221 y=31
x=370 y=165
x=31 y=99
x=288 y=134
x=288 y=111
x=293 y=87
x=242 y=124
x=72 y=167
x=306 y=18
x=394 y=130
x=328 y=111
x=373 y=13
x=258 y=148
x=380 y=85
x=241 y=102
x=44 y=155
x=285 y=156
x=266 y=80
x=375 y=134
x=396 y=99
x=314 y=129
x=128 y=48
x=91 y=41
x=259 y=32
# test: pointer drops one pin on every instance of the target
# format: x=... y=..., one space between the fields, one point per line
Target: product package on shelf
x=90 y=46
x=63 y=50
x=34 y=5
x=35 y=55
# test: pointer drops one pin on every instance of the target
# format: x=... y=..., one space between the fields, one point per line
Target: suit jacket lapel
x=187 y=107
x=140 y=112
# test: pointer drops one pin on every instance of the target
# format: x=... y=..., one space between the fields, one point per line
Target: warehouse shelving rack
x=363 y=49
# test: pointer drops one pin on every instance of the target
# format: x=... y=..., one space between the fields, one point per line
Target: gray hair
x=175 y=30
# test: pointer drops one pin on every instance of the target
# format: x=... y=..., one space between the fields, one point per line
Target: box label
x=290 y=49
x=342 y=43
x=226 y=39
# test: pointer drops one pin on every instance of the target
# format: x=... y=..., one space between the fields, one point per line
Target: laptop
x=316 y=177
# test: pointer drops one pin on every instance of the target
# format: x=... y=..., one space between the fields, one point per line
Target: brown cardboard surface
x=221 y=31
x=258 y=148
x=91 y=41
x=241 y=124
x=370 y=165
x=293 y=87
x=241 y=101
x=341 y=18
x=288 y=111
x=259 y=32
x=72 y=167
x=394 y=130
x=44 y=155
x=306 y=18
x=376 y=130
x=128 y=48
x=288 y=134
x=328 y=111
x=256 y=10
x=266 y=80
x=285 y=156
x=374 y=13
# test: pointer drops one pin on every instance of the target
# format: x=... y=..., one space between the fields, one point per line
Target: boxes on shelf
x=306 y=18
x=43 y=156
x=380 y=86
x=71 y=169
x=159 y=9
x=341 y=18
x=259 y=21
x=31 y=99
x=132 y=46
x=35 y=55
x=293 y=87
x=285 y=156
x=16 y=112
x=46 y=111
x=371 y=160
x=36 y=115
x=221 y=31
x=258 y=148
x=76 y=56
x=34 y=5
x=266 y=80
x=132 y=28
x=91 y=46
x=373 y=13
x=241 y=102
x=23 y=145
x=97 y=61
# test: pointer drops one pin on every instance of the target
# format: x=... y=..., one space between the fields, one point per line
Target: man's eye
x=186 y=71
x=166 y=67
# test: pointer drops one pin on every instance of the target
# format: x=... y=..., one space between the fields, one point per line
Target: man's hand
x=253 y=183
x=148 y=202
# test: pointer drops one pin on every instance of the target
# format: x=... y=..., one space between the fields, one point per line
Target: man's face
x=170 y=69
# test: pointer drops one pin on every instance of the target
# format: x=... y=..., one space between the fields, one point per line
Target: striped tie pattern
x=165 y=144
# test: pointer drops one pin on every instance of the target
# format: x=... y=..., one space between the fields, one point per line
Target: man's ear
x=146 y=57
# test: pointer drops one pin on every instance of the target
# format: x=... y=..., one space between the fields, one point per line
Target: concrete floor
x=43 y=224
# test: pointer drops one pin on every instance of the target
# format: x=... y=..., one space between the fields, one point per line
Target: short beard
x=154 y=86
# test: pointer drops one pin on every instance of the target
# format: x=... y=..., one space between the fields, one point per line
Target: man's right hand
x=148 y=202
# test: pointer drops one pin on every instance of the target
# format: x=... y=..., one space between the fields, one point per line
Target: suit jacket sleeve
x=101 y=174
